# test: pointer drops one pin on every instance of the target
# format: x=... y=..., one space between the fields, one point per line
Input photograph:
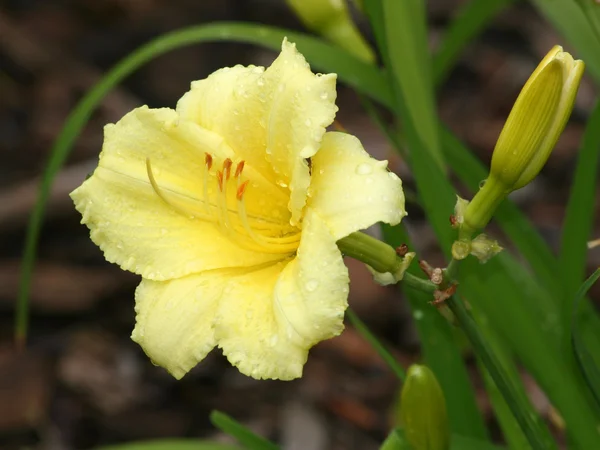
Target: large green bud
x=531 y=131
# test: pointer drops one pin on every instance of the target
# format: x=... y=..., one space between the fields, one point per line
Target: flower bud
x=423 y=411
x=531 y=131
x=331 y=19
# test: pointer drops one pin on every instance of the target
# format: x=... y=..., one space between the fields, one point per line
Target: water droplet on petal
x=364 y=169
x=324 y=95
x=311 y=285
x=273 y=340
x=481 y=184
x=308 y=122
x=163 y=231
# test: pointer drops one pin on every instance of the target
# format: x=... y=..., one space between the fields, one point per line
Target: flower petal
x=273 y=119
x=303 y=105
x=312 y=291
x=350 y=190
x=174 y=320
x=268 y=319
x=129 y=221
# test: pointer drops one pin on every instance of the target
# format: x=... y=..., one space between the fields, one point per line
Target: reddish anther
x=239 y=169
x=453 y=221
x=240 y=192
x=227 y=168
x=220 y=180
x=402 y=250
x=208 y=160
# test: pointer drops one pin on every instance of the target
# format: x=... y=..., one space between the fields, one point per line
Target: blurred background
x=82 y=382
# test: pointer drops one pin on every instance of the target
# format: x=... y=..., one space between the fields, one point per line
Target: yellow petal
x=250 y=332
x=303 y=105
x=312 y=292
x=133 y=226
x=231 y=102
x=273 y=119
x=350 y=190
x=268 y=319
x=174 y=320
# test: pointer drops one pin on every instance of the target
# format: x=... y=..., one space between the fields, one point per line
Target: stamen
x=227 y=168
x=205 y=173
x=274 y=245
x=239 y=169
x=159 y=192
x=241 y=189
x=220 y=180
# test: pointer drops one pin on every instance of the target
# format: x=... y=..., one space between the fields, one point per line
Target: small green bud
x=423 y=410
x=483 y=248
x=331 y=19
x=531 y=131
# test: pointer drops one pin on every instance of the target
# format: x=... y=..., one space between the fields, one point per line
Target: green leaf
x=379 y=347
x=397 y=441
x=171 y=444
x=585 y=361
x=468 y=443
x=356 y=73
x=472 y=17
x=409 y=62
x=244 y=435
x=580 y=210
x=513 y=434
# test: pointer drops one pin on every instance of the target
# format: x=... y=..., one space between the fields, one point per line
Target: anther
x=220 y=180
x=227 y=168
x=240 y=191
x=208 y=160
x=239 y=168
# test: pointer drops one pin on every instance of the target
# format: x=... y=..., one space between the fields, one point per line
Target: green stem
x=514 y=400
x=381 y=257
x=482 y=207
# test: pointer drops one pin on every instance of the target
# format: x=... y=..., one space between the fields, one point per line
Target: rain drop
x=311 y=285
x=364 y=169
x=308 y=122
x=324 y=95
x=273 y=340
x=481 y=184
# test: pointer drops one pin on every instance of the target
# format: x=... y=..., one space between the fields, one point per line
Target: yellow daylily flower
x=230 y=207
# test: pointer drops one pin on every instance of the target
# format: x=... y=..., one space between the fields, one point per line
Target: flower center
x=248 y=231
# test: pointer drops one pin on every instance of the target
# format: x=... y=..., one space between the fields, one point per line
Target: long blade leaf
x=585 y=360
x=580 y=210
x=243 y=434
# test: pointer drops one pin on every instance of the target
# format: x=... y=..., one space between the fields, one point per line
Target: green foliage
x=245 y=436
